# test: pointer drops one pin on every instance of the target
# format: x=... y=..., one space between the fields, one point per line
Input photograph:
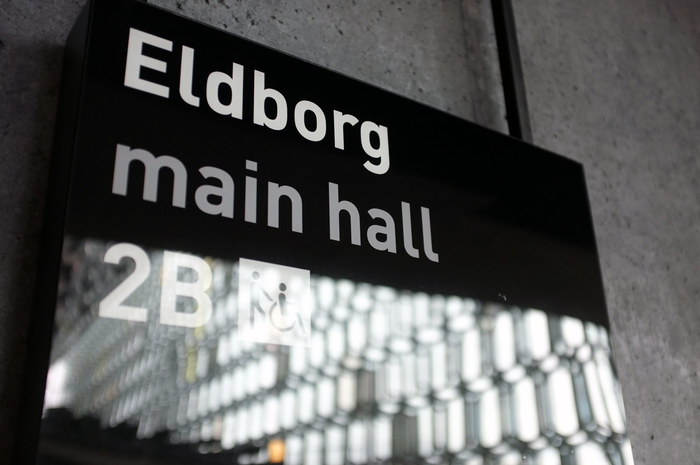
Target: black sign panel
x=266 y=261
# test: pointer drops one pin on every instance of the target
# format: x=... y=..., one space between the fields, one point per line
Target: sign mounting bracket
x=511 y=70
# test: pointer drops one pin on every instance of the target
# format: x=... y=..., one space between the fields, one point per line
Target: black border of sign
x=39 y=339
x=38 y=346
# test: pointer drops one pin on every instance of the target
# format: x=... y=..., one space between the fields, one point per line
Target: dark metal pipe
x=511 y=70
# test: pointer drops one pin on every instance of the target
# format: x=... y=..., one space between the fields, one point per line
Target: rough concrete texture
x=613 y=85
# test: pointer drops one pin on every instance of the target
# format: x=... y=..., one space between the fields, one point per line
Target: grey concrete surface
x=613 y=85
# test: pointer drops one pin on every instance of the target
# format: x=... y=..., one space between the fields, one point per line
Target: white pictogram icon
x=274 y=303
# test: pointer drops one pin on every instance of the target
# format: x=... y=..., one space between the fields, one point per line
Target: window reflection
x=390 y=375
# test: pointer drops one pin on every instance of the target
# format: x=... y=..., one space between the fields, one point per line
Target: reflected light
x=275 y=451
x=389 y=376
x=56 y=394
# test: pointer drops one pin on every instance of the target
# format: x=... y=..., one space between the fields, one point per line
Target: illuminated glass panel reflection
x=390 y=375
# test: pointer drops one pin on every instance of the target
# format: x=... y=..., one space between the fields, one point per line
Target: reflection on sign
x=388 y=374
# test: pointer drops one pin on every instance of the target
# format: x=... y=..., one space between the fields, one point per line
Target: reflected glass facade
x=391 y=376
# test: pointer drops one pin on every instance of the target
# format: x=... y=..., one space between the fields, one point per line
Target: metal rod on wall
x=511 y=70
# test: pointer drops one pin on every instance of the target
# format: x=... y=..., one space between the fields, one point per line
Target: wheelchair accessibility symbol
x=274 y=303
x=278 y=309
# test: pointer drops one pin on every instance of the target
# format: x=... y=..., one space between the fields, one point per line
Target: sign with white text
x=263 y=261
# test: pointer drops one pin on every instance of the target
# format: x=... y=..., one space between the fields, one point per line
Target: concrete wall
x=611 y=84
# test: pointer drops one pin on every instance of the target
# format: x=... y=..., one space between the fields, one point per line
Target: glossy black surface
x=509 y=221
